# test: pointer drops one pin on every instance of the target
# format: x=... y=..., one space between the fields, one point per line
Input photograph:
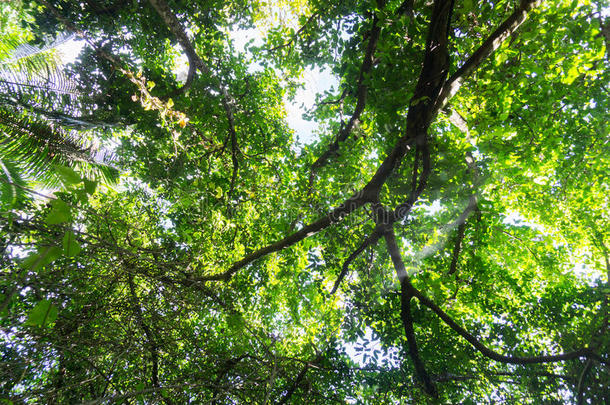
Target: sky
x=315 y=82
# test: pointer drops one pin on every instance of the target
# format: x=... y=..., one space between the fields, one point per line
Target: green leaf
x=139 y=387
x=235 y=322
x=42 y=314
x=90 y=186
x=60 y=213
x=82 y=195
x=4 y=312
x=44 y=256
x=71 y=246
x=67 y=175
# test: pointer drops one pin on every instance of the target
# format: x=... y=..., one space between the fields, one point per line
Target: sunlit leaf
x=44 y=313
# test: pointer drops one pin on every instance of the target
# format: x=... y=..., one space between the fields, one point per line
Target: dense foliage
x=442 y=237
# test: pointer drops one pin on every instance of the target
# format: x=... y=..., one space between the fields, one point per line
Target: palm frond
x=34 y=77
x=12 y=185
x=36 y=146
x=13 y=50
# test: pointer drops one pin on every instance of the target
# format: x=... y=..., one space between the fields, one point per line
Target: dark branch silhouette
x=361 y=93
x=457 y=247
x=406 y=294
x=369 y=241
x=297 y=381
x=487 y=352
x=489 y=46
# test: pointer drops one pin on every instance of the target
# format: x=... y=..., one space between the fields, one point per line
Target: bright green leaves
x=70 y=178
x=12 y=184
x=71 y=246
x=90 y=186
x=44 y=256
x=44 y=313
x=60 y=213
x=67 y=175
x=236 y=322
x=185 y=211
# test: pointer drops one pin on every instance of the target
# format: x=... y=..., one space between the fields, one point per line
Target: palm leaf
x=12 y=185
x=37 y=146
x=34 y=77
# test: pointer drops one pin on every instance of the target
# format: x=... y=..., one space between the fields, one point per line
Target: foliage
x=442 y=237
x=39 y=118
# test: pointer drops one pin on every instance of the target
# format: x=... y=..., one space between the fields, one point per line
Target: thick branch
x=487 y=352
x=457 y=247
x=299 y=379
x=421 y=113
x=403 y=209
x=406 y=8
x=419 y=117
x=72 y=27
x=580 y=389
x=349 y=206
x=406 y=293
x=195 y=60
x=190 y=77
x=491 y=44
x=407 y=321
x=176 y=28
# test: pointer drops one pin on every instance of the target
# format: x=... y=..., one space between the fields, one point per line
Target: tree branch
x=403 y=209
x=487 y=352
x=296 y=34
x=489 y=46
x=421 y=112
x=370 y=240
x=297 y=381
x=70 y=26
x=226 y=368
x=175 y=27
x=580 y=389
x=451 y=377
x=418 y=120
x=408 y=291
x=190 y=77
x=362 y=89
x=349 y=206
x=406 y=294
x=457 y=247
x=195 y=60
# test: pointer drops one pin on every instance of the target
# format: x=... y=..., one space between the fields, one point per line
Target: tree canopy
x=442 y=235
